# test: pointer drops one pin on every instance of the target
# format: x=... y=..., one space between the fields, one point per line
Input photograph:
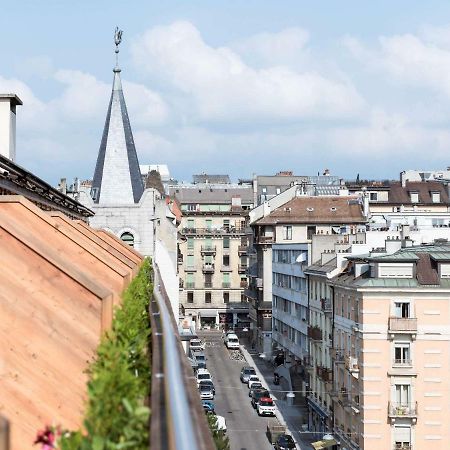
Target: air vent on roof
x=333 y=208
x=287 y=209
x=309 y=209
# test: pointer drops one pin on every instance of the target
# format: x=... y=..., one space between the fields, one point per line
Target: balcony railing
x=189 y=285
x=208 y=249
x=338 y=355
x=403 y=325
x=402 y=362
x=244 y=284
x=213 y=231
x=351 y=364
x=402 y=447
x=344 y=398
x=226 y=284
x=227 y=268
x=190 y=268
x=208 y=284
x=402 y=409
x=243 y=249
x=208 y=268
x=315 y=333
x=326 y=305
x=242 y=268
x=172 y=390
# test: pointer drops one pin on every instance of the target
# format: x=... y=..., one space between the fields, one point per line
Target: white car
x=196 y=344
x=253 y=379
x=232 y=341
x=265 y=407
x=203 y=374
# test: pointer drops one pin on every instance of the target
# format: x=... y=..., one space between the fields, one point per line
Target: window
x=402 y=309
x=278 y=190
x=287 y=232
x=264 y=190
x=436 y=197
x=226 y=297
x=207 y=297
x=226 y=224
x=310 y=231
x=208 y=224
x=226 y=260
x=414 y=197
x=226 y=242
x=402 y=437
x=190 y=243
x=373 y=196
x=128 y=238
x=190 y=261
x=190 y=297
x=191 y=207
x=190 y=281
x=402 y=354
x=402 y=395
x=226 y=280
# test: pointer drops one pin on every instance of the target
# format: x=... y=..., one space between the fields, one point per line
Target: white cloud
x=287 y=47
x=223 y=88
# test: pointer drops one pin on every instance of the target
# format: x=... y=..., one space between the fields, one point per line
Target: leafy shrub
x=220 y=439
x=116 y=416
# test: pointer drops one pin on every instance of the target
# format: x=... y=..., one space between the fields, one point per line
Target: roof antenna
x=117 y=41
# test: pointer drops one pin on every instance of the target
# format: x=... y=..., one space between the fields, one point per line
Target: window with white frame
x=414 y=197
x=287 y=232
x=402 y=309
x=436 y=197
x=402 y=437
x=402 y=353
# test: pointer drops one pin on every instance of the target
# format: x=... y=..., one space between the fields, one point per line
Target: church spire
x=117 y=178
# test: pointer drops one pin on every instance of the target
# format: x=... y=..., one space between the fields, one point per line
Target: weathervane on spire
x=117 y=41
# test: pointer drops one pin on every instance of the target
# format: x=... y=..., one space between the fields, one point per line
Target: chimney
x=8 y=103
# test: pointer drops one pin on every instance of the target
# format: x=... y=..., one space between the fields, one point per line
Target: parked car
x=208 y=406
x=206 y=391
x=199 y=358
x=284 y=442
x=196 y=344
x=246 y=372
x=257 y=395
x=252 y=379
x=207 y=383
x=255 y=387
x=203 y=374
x=265 y=407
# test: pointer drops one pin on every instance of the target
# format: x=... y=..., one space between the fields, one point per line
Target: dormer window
x=436 y=197
x=373 y=196
x=414 y=197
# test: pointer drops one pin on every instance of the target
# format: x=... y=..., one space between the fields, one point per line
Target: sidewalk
x=292 y=417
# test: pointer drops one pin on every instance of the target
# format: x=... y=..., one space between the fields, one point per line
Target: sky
x=233 y=87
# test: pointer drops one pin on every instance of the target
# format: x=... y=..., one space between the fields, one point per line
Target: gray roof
x=206 y=178
x=117 y=177
x=210 y=194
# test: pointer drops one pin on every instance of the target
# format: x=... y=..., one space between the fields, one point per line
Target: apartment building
x=390 y=348
x=213 y=250
x=282 y=241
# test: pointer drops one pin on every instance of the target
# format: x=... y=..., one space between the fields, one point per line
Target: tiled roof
x=59 y=285
x=326 y=210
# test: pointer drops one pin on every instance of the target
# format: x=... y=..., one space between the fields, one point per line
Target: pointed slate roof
x=117 y=178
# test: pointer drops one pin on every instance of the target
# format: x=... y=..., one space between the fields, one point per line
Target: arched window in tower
x=128 y=238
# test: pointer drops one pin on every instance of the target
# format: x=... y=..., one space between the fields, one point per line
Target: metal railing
x=178 y=421
x=402 y=409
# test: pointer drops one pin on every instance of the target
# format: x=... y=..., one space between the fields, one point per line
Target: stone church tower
x=117 y=195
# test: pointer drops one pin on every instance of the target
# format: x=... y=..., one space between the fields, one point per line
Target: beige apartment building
x=212 y=258
x=390 y=349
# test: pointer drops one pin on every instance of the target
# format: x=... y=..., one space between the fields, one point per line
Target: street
x=246 y=430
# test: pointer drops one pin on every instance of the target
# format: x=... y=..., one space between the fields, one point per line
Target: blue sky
x=236 y=87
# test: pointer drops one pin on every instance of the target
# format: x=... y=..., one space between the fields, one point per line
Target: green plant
x=116 y=416
x=220 y=439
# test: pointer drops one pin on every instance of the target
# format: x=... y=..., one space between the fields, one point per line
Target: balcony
x=402 y=363
x=307 y=363
x=189 y=268
x=242 y=249
x=403 y=325
x=326 y=305
x=226 y=285
x=208 y=249
x=242 y=268
x=315 y=333
x=208 y=268
x=324 y=373
x=338 y=355
x=402 y=410
x=265 y=239
x=402 y=447
x=189 y=285
x=244 y=284
x=351 y=364
x=213 y=231
x=344 y=398
x=208 y=284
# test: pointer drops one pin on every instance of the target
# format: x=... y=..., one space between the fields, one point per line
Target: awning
x=321 y=445
x=208 y=313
